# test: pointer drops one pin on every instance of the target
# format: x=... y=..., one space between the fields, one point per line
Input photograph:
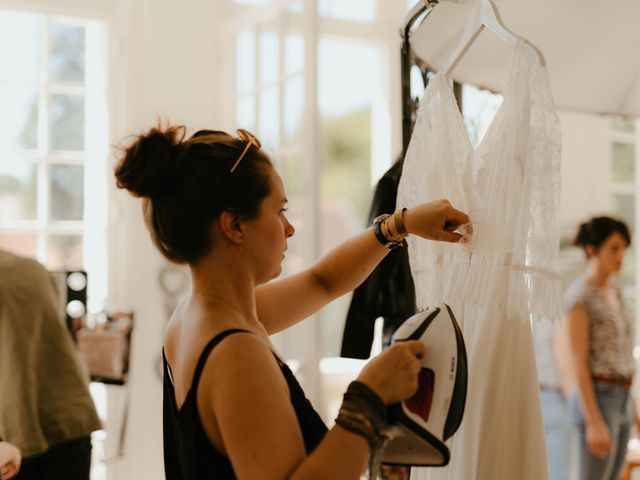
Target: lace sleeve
x=535 y=278
x=430 y=172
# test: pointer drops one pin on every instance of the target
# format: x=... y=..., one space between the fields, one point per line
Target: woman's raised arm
x=284 y=302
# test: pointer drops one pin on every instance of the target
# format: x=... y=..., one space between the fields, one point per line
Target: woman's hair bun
x=583 y=237
x=598 y=229
x=150 y=164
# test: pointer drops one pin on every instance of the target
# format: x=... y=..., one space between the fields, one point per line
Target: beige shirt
x=44 y=396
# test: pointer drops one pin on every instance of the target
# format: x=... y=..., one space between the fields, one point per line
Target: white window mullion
x=636 y=136
x=282 y=35
x=623 y=189
x=45 y=135
x=258 y=87
x=93 y=91
x=96 y=158
x=46 y=130
x=43 y=191
x=67 y=158
x=67 y=88
x=623 y=137
x=312 y=174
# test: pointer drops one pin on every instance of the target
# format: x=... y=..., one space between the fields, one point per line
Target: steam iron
x=420 y=425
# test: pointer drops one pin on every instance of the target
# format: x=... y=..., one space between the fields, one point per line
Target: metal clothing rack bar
x=416 y=16
x=413 y=20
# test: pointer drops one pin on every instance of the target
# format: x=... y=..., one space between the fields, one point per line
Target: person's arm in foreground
x=598 y=435
x=258 y=428
x=282 y=303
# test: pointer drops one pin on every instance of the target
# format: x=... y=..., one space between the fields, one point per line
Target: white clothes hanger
x=484 y=14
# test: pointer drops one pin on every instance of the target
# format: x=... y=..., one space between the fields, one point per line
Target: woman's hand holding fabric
x=436 y=220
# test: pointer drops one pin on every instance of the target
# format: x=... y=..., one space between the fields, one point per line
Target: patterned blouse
x=611 y=329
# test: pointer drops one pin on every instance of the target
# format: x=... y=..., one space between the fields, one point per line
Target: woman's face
x=611 y=253
x=267 y=234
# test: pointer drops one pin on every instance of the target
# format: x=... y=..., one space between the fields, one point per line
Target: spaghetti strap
x=188 y=451
x=207 y=350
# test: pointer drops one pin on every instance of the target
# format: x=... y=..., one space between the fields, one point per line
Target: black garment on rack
x=389 y=291
x=188 y=453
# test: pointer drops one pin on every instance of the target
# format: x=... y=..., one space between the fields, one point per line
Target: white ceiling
x=592 y=49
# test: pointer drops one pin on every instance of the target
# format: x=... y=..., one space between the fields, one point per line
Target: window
x=270 y=75
x=269 y=85
x=53 y=148
x=316 y=87
x=346 y=99
x=353 y=10
x=53 y=141
x=623 y=196
x=479 y=107
x=251 y=2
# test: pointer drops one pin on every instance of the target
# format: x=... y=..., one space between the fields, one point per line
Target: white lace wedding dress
x=507 y=275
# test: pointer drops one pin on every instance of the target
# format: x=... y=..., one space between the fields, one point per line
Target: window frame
x=96 y=18
x=617 y=136
x=313 y=28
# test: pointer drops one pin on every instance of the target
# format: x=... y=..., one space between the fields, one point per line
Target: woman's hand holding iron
x=393 y=374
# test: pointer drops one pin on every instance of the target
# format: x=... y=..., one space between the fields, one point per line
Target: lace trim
x=512 y=199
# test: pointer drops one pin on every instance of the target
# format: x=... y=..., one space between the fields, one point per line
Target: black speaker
x=71 y=289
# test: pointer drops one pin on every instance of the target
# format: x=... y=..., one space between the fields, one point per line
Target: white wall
x=164 y=65
x=586 y=159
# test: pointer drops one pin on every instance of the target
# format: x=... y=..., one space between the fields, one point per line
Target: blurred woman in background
x=601 y=340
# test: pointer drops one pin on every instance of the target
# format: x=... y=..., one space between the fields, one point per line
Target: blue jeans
x=558 y=432
x=615 y=406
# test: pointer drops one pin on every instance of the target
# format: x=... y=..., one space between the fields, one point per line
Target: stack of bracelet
x=363 y=412
x=388 y=236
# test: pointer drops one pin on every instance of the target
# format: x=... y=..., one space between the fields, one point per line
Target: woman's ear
x=231 y=226
x=590 y=250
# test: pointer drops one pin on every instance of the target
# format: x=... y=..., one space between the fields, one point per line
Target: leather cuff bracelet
x=378 y=230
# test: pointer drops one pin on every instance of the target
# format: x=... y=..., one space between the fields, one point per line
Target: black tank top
x=188 y=453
